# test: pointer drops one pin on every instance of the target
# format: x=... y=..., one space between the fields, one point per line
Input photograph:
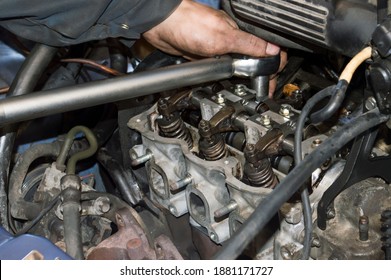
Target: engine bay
x=175 y=159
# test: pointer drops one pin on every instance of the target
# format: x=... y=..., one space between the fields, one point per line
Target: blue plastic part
x=213 y=3
x=17 y=248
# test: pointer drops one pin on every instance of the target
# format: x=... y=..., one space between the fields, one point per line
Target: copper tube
x=94 y=64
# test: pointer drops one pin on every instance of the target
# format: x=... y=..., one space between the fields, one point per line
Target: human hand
x=194 y=30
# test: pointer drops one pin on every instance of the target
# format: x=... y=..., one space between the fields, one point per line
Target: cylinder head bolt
x=363 y=226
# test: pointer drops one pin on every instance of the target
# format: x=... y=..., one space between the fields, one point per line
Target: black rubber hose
x=24 y=82
x=123 y=179
x=71 y=213
x=19 y=172
x=32 y=69
x=158 y=59
x=43 y=212
x=103 y=131
x=15 y=193
x=297 y=153
x=25 y=160
x=63 y=76
x=294 y=180
x=69 y=139
x=118 y=60
x=333 y=105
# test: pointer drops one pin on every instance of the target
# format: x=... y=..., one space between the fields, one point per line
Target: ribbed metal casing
x=299 y=18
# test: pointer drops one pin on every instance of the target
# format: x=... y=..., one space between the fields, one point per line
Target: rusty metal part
x=171 y=124
x=116 y=205
x=258 y=168
x=175 y=103
x=174 y=127
x=261 y=175
x=131 y=243
x=218 y=123
x=368 y=197
x=213 y=148
x=266 y=146
x=212 y=144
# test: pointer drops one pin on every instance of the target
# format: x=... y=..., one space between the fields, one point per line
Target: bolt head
x=286 y=253
x=316 y=143
x=213 y=236
x=285 y=110
x=265 y=120
x=250 y=147
x=293 y=216
x=133 y=155
x=316 y=243
x=220 y=99
x=172 y=210
x=240 y=90
x=331 y=213
x=370 y=103
x=244 y=102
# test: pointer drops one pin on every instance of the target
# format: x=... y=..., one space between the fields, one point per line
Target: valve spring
x=214 y=151
x=176 y=128
x=386 y=229
x=262 y=176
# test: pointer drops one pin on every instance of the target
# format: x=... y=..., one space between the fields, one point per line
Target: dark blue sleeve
x=68 y=22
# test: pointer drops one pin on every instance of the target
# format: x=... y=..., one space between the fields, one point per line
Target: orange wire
x=92 y=63
x=106 y=69
x=4 y=90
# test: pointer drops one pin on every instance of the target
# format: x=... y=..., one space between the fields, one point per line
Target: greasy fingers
x=195 y=29
x=273 y=79
x=249 y=44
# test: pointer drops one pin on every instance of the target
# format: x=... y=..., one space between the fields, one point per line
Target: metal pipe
x=261 y=86
x=44 y=103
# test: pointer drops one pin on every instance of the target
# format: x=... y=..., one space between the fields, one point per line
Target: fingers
x=272 y=49
x=251 y=45
x=283 y=60
x=273 y=78
x=272 y=87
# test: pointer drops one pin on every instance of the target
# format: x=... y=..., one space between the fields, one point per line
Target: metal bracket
x=359 y=166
